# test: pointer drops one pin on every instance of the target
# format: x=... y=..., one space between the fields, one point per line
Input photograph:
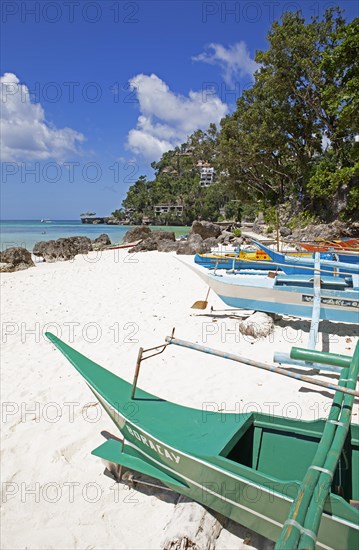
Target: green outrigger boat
x=267 y=473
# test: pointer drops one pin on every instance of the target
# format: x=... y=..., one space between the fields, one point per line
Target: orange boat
x=349 y=245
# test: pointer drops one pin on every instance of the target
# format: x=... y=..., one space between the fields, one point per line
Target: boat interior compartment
x=275 y=447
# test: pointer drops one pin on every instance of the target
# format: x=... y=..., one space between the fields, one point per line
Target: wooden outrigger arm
x=320 y=358
x=265 y=366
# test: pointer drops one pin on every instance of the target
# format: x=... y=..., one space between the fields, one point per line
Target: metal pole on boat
x=260 y=365
x=277 y=227
x=137 y=372
x=314 y=326
x=141 y=358
x=120 y=468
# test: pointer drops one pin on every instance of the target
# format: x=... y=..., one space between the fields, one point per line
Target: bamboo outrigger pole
x=308 y=268
x=301 y=528
x=260 y=365
x=277 y=226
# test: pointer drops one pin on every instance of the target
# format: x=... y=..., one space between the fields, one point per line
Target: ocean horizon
x=25 y=233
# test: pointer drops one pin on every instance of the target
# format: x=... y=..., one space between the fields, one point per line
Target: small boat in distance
x=45 y=220
x=122 y=245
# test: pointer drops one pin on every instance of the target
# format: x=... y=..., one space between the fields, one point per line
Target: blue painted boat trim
x=281 y=258
x=294 y=310
x=209 y=263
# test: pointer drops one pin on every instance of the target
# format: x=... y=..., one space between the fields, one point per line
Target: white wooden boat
x=287 y=294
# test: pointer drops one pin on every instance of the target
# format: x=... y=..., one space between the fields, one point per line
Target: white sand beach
x=107 y=305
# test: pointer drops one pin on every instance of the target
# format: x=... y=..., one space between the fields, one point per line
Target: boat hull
x=198 y=458
x=262 y=294
x=259 y=504
x=348 y=244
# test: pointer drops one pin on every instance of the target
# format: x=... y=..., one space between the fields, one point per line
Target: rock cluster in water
x=67 y=248
x=202 y=238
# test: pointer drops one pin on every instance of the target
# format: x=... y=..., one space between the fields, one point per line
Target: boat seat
x=340 y=283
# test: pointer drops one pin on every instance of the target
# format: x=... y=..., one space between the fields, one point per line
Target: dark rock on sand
x=210 y=242
x=165 y=245
x=285 y=231
x=147 y=245
x=193 y=245
x=154 y=241
x=15 y=259
x=225 y=237
x=205 y=229
x=102 y=240
x=163 y=235
x=137 y=233
x=62 y=249
x=324 y=231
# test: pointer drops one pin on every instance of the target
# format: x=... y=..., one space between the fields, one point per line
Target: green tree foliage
x=295 y=126
x=119 y=214
x=290 y=136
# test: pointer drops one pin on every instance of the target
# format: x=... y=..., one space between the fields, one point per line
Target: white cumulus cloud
x=167 y=118
x=25 y=134
x=234 y=61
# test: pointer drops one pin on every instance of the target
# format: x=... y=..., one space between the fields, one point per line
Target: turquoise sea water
x=27 y=232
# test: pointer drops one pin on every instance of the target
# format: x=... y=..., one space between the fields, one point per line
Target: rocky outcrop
x=147 y=245
x=163 y=235
x=225 y=237
x=102 y=240
x=324 y=231
x=205 y=229
x=94 y=220
x=141 y=232
x=62 y=249
x=354 y=229
x=194 y=244
x=165 y=245
x=211 y=242
x=113 y=221
x=15 y=259
x=285 y=231
x=164 y=241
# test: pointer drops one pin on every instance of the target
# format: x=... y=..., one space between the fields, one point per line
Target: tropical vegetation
x=292 y=139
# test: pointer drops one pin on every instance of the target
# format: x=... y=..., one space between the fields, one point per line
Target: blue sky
x=93 y=92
